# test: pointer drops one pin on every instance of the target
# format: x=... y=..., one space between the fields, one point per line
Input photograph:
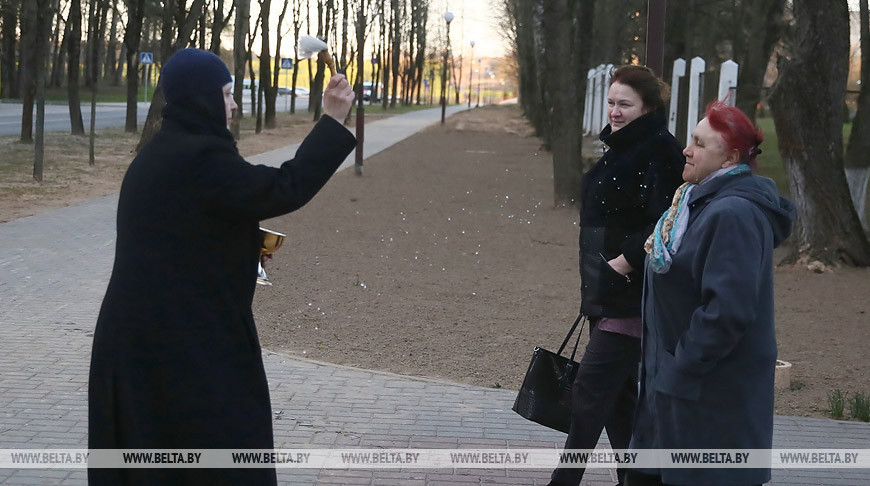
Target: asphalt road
x=108 y=115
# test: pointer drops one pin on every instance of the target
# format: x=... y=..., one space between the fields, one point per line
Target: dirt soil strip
x=448 y=260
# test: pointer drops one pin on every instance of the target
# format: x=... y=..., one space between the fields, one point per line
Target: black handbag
x=545 y=396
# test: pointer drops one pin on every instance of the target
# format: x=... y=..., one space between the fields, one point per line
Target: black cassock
x=176 y=360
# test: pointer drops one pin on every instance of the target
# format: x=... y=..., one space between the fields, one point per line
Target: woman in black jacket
x=176 y=361
x=623 y=195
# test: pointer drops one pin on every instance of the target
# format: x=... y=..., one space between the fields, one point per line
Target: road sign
x=286 y=63
x=146 y=58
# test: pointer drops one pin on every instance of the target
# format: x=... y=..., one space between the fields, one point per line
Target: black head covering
x=192 y=80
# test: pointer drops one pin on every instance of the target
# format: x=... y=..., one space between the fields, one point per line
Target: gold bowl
x=272 y=240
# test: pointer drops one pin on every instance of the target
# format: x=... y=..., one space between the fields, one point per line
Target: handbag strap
x=580 y=317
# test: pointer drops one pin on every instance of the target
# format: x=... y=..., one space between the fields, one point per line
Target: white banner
x=434 y=458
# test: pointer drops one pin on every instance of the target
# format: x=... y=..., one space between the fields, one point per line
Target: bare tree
x=422 y=33
x=27 y=84
x=243 y=19
x=807 y=102
x=96 y=24
x=378 y=54
x=279 y=35
x=132 y=38
x=74 y=47
x=360 y=107
x=112 y=44
x=396 y=35
x=857 y=160
x=297 y=26
x=324 y=12
x=527 y=33
x=219 y=23
x=385 y=57
x=56 y=53
x=270 y=92
x=9 y=46
x=45 y=13
x=256 y=106
x=562 y=100
x=186 y=22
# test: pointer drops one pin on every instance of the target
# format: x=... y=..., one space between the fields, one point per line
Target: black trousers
x=604 y=397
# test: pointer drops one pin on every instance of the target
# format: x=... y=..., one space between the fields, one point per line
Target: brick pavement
x=54 y=268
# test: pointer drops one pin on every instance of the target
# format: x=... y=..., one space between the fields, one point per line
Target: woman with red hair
x=709 y=347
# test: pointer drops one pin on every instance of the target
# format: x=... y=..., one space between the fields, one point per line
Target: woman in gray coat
x=709 y=347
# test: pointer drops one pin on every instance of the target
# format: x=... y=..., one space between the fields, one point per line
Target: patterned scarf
x=665 y=240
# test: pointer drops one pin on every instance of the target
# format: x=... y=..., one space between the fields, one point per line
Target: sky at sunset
x=475 y=20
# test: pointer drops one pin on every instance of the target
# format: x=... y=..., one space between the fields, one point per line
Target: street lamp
x=471 y=74
x=448 y=17
x=479 y=61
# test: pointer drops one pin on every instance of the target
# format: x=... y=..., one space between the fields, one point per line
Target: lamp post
x=448 y=17
x=471 y=74
x=479 y=61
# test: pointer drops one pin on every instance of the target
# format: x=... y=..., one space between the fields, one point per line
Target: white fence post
x=728 y=83
x=587 y=107
x=597 y=100
x=696 y=71
x=605 y=87
x=678 y=72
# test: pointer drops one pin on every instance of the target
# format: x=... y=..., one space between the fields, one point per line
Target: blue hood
x=780 y=212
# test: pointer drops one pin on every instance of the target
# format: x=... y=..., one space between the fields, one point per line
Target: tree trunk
x=316 y=96
x=243 y=19
x=119 y=69
x=297 y=27
x=308 y=61
x=57 y=67
x=112 y=46
x=386 y=55
x=74 y=46
x=217 y=26
x=43 y=25
x=53 y=77
x=562 y=93
x=100 y=39
x=530 y=90
x=8 y=48
x=858 y=151
x=29 y=37
x=132 y=36
x=278 y=39
x=256 y=108
x=270 y=92
x=96 y=25
x=396 y=34
x=89 y=17
x=343 y=60
x=807 y=103
x=203 y=27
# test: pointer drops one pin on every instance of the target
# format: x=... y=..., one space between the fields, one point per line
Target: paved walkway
x=54 y=268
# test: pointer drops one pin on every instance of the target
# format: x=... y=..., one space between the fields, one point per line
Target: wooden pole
x=655 y=37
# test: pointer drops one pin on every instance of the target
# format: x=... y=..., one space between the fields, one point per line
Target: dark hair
x=737 y=131
x=652 y=90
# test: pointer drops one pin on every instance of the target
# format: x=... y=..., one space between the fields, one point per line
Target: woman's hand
x=337 y=98
x=620 y=264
